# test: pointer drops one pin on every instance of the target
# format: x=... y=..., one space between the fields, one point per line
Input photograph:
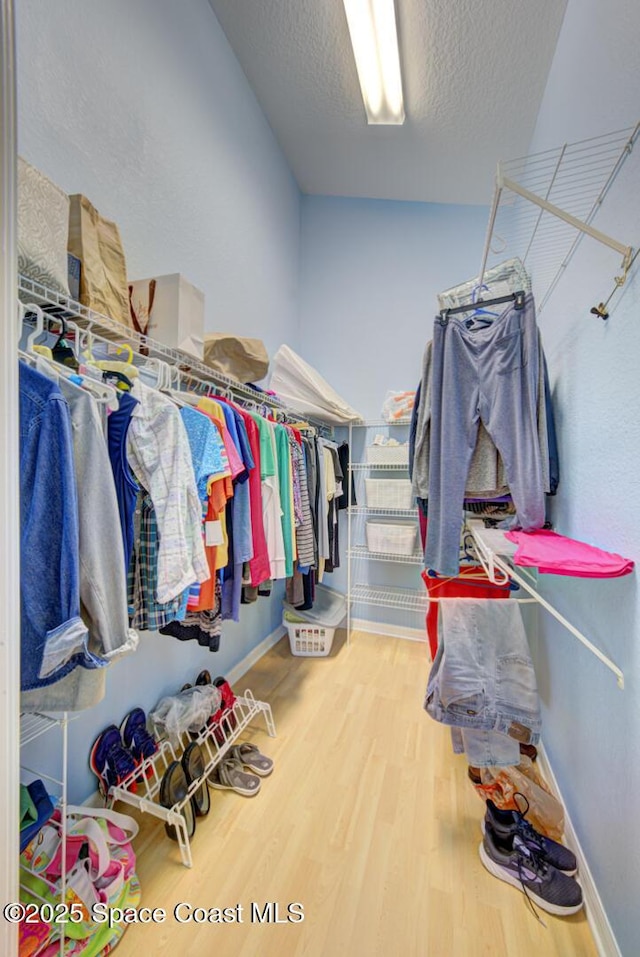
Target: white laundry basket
x=311 y=633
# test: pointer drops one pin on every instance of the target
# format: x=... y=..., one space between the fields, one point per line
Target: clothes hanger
x=62 y=352
x=485 y=316
x=39 y=327
x=516 y=297
x=123 y=381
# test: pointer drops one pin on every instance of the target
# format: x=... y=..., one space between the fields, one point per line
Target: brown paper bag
x=96 y=243
x=244 y=359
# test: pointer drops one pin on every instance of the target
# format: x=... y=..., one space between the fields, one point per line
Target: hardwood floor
x=368 y=821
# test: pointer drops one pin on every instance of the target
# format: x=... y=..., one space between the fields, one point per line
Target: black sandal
x=193 y=766
x=173 y=790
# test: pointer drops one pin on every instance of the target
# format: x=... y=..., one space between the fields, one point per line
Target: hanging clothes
x=239 y=520
x=54 y=639
x=271 y=508
x=125 y=483
x=285 y=489
x=259 y=569
x=159 y=454
x=486 y=478
x=102 y=582
x=489 y=375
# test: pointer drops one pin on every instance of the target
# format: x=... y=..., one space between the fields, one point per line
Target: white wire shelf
x=361 y=551
x=545 y=203
x=214 y=741
x=33 y=725
x=379 y=423
x=55 y=304
x=373 y=467
x=385 y=596
x=384 y=512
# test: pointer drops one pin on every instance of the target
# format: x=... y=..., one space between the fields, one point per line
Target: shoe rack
x=141 y=788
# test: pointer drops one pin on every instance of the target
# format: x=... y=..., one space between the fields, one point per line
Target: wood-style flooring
x=368 y=821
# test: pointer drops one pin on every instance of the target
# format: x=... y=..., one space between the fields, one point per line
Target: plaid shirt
x=147 y=614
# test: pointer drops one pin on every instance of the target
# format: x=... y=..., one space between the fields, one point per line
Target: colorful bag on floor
x=503 y=785
x=100 y=863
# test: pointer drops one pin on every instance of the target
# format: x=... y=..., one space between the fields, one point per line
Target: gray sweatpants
x=488 y=374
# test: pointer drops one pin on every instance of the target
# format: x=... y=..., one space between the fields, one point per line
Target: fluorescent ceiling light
x=374 y=38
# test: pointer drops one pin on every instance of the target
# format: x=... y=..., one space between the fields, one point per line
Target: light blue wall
x=144 y=108
x=370 y=274
x=592 y=730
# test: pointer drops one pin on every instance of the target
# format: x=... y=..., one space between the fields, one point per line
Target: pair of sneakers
x=513 y=851
x=118 y=752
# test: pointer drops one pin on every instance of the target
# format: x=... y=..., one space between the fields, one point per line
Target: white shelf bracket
x=580 y=176
x=493 y=563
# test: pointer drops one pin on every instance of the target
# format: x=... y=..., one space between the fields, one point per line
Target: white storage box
x=176 y=315
x=387 y=454
x=392 y=539
x=388 y=493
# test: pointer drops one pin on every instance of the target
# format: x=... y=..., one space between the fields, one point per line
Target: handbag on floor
x=100 y=864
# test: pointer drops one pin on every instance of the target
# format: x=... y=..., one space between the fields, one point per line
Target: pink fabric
x=553 y=554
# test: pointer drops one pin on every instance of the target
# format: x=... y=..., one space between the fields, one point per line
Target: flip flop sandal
x=204 y=678
x=229 y=776
x=249 y=756
x=173 y=788
x=193 y=766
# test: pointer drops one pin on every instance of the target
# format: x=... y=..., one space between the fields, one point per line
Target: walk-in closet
x=319 y=448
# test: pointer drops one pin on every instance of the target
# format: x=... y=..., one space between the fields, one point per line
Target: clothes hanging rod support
x=491 y=561
x=625 y=251
x=497 y=193
x=601 y=310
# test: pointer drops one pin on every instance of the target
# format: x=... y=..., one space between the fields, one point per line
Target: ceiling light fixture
x=374 y=38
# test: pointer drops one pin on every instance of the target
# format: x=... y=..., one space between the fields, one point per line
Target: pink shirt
x=554 y=554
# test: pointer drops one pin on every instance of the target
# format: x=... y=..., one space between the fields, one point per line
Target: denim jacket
x=54 y=639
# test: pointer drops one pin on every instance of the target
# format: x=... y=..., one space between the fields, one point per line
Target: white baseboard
x=605 y=941
x=235 y=673
x=95 y=799
x=393 y=631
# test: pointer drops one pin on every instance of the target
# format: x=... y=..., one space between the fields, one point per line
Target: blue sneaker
x=110 y=761
x=519 y=865
x=135 y=736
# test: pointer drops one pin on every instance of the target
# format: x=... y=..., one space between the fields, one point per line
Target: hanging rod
x=59 y=306
x=491 y=561
x=578 y=175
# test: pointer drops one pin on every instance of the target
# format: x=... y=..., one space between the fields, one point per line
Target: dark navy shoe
x=135 y=736
x=507 y=824
x=520 y=866
x=110 y=761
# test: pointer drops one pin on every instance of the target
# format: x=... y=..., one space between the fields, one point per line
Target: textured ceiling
x=474 y=72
